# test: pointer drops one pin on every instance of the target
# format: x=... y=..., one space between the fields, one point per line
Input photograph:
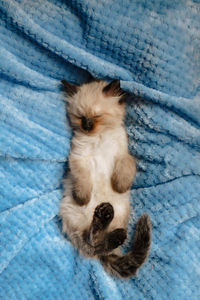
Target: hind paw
x=116 y=238
x=104 y=213
x=111 y=241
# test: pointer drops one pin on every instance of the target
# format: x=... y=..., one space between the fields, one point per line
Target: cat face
x=95 y=106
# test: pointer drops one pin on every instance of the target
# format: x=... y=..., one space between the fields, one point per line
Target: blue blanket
x=152 y=46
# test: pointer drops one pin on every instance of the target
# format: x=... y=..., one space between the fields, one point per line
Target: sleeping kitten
x=95 y=207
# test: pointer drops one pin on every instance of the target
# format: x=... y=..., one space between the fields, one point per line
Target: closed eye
x=76 y=116
x=80 y=117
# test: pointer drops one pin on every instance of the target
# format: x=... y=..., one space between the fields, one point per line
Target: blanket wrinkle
x=162 y=183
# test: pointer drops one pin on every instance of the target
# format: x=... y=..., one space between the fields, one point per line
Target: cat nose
x=87 y=124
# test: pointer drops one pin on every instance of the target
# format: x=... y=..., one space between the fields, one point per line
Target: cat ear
x=92 y=79
x=69 y=89
x=113 y=89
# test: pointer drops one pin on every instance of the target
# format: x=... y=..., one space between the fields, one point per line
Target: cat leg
x=105 y=242
x=102 y=217
x=111 y=241
x=127 y=265
x=92 y=236
x=123 y=173
x=81 y=180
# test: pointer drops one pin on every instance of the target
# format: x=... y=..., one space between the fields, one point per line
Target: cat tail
x=127 y=265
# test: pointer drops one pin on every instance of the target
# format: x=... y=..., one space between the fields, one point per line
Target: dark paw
x=104 y=213
x=80 y=199
x=111 y=241
x=116 y=238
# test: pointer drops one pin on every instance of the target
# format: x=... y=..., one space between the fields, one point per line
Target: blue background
x=153 y=48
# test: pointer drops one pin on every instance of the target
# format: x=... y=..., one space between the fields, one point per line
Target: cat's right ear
x=69 y=89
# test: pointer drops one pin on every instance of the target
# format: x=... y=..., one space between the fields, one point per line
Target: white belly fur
x=101 y=162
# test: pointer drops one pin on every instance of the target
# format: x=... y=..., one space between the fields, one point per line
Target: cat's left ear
x=69 y=89
x=113 y=89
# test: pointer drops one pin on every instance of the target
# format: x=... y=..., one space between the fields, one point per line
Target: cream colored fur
x=93 y=160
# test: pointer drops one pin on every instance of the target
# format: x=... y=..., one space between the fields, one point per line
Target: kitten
x=95 y=208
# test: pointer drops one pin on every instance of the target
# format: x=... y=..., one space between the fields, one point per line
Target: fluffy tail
x=127 y=265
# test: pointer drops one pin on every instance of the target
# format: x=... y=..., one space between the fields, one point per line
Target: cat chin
x=93 y=132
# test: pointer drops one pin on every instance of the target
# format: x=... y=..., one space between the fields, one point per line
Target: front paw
x=118 y=185
x=80 y=194
x=123 y=174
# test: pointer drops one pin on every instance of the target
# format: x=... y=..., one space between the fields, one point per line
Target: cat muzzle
x=87 y=124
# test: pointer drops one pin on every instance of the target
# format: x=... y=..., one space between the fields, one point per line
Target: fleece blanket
x=153 y=48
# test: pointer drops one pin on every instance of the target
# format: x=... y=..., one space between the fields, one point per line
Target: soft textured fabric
x=152 y=46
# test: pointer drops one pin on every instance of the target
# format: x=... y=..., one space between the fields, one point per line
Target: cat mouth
x=88 y=132
x=80 y=129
